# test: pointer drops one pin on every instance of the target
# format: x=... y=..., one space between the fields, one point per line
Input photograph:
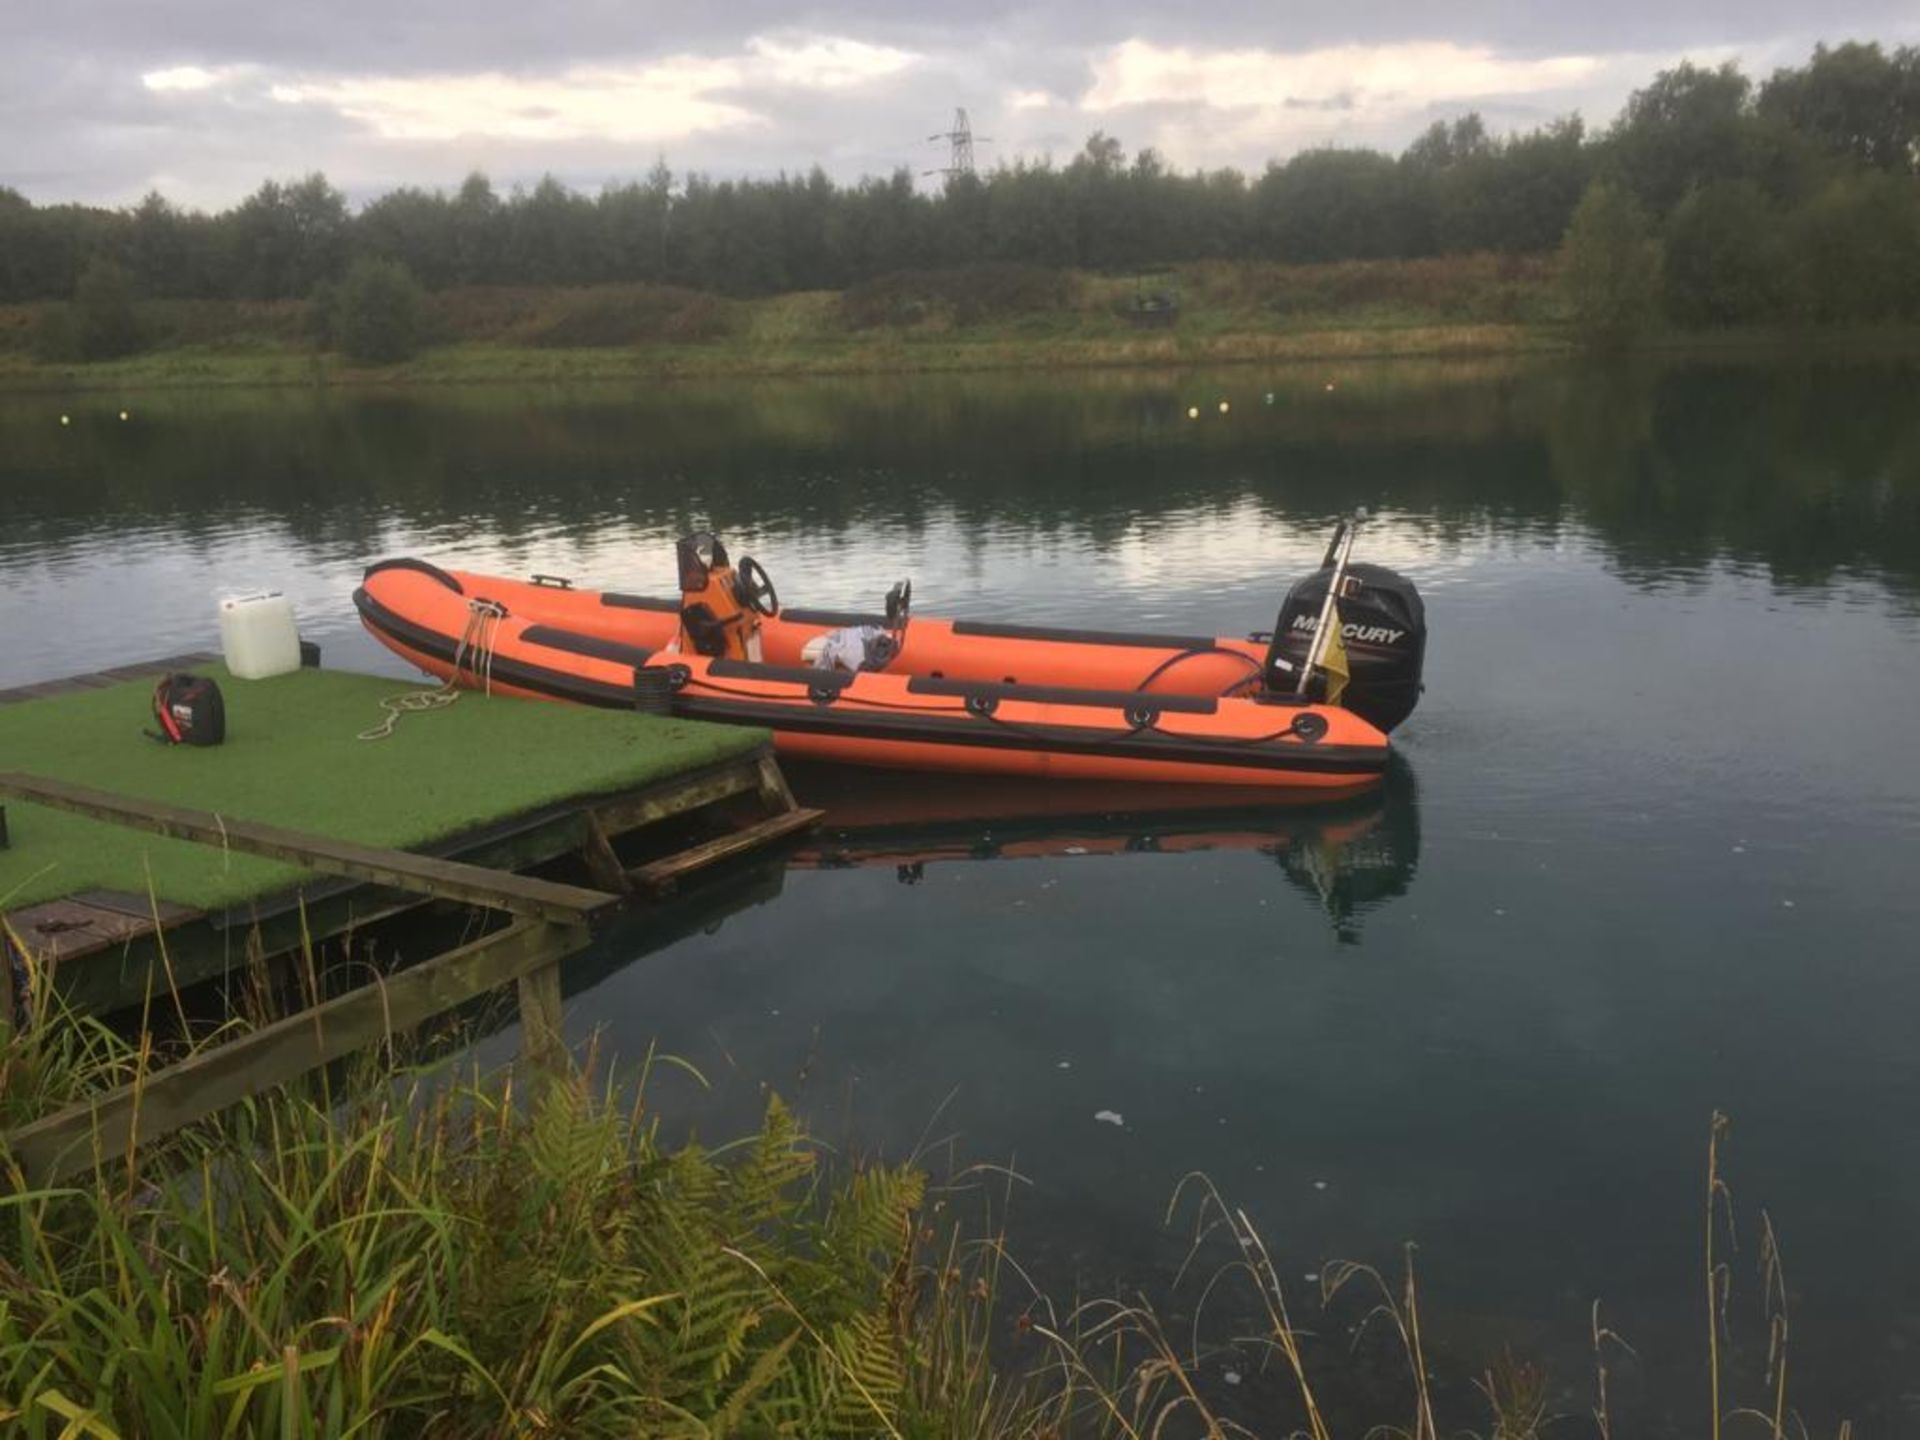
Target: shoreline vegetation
x=1230 y=313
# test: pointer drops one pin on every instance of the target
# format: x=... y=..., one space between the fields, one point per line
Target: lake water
x=1654 y=849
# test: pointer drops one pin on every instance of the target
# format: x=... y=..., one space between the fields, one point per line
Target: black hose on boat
x=1195 y=653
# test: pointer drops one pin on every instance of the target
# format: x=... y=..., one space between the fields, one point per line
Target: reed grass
x=442 y=1253
x=55 y=1059
x=453 y=1259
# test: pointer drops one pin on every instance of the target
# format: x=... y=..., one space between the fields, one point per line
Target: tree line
x=1797 y=194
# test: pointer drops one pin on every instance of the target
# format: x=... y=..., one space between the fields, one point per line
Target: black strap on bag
x=189 y=710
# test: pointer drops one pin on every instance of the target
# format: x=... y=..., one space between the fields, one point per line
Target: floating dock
x=131 y=870
x=101 y=857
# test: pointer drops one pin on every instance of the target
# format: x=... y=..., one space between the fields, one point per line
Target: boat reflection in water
x=1348 y=855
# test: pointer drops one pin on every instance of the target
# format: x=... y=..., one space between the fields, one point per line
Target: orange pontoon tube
x=919 y=694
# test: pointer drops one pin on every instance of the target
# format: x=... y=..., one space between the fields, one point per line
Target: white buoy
x=66 y=419
x=1223 y=407
x=123 y=414
x=1193 y=413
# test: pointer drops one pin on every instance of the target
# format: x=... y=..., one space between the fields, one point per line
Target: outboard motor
x=1384 y=625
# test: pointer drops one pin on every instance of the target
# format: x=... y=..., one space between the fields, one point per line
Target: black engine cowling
x=1385 y=627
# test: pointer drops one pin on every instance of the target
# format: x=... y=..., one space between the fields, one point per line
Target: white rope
x=473 y=654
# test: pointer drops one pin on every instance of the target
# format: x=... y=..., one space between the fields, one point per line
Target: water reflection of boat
x=1354 y=873
x=1350 y=855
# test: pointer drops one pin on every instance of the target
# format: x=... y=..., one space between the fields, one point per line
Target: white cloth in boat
x=854 y=647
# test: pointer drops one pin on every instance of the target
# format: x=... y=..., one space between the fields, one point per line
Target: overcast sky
x=102 y=100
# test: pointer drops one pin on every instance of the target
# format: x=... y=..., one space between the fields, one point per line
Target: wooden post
x=7 y=1013
x=543 y=1043
x=602 y=864
x=773 y=786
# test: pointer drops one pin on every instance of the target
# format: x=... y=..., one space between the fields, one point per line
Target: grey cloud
x=459 y=35
x=424 y=36
x=76 y=122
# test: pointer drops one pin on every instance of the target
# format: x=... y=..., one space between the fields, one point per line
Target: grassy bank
x=464 y=363
x=986 y=319
x=982 y=319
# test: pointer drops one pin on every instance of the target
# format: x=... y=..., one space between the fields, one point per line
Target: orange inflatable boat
x=887 y=689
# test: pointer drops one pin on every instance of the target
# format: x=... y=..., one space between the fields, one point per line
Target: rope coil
x=473 y=655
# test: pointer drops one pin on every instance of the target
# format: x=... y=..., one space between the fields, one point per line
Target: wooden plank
x=401 y=869
x=622 y=813
x=60 y=1144
x=165 y=666
x=114 y=675
x=146 y=907
x=663 y=873
x=22 y=693
x=56 y=931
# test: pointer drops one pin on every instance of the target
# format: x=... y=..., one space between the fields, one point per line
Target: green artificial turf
x=291 y=758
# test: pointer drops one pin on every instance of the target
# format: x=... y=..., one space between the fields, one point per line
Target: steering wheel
x=754 y=588
x=899 y=605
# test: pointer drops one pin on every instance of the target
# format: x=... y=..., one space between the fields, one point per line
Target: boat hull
x=567 y=644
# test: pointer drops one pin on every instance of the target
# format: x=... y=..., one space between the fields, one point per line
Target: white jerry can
x=258 y=636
